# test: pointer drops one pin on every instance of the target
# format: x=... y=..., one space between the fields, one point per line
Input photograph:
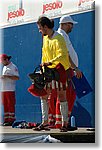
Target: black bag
x=50 y=74
x=37 y=77
x=40 y=77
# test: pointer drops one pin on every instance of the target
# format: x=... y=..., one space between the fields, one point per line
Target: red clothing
x=8 y=100
x=54 y=103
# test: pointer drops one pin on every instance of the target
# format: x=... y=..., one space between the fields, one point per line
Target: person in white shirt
x=66 y=26
x=8 y=85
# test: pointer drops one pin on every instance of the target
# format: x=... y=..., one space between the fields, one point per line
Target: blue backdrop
x=24 y=44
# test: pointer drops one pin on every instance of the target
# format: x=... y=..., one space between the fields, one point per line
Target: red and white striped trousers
x=8 y=101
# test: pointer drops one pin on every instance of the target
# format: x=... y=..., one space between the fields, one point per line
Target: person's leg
x=47 y=102
x=63 y=105
x=71 y=97
x=11 y=103
x=52 y=108
x=6 y=107
x=44 y=109
x=70 y=91
x=58 y=115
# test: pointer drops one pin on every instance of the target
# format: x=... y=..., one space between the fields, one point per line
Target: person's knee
x=62 y=95
x=44 y=97
x=47 y=95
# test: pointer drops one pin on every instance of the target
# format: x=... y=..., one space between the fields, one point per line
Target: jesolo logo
x=52 y=6
x=13 y=12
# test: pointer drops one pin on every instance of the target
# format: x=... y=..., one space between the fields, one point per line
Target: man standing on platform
x=8 y=81
x=66 y=26
x=54 y=55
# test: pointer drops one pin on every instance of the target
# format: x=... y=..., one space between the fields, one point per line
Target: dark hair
x=46 y=21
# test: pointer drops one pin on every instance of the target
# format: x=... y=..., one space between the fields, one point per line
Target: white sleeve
x=73 y=54
x=10 y=71
x=6 y=71
x=71 y=51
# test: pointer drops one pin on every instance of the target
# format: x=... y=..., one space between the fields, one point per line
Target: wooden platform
x=81 y=135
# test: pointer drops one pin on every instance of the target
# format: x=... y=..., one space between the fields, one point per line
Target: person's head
x=45 y=25
x=4 y=59
x=66 y=23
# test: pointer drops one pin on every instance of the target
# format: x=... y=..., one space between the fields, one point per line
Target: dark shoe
x=52 y=125
x=42 y=127
x=70 y=128
x=63 y=129
x=7 y=123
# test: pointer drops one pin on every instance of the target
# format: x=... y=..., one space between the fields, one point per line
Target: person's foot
x=7 y=123
x=70 y=128
x=63 y=129
x=52 y=125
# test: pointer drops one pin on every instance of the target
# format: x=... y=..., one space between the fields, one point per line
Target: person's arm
x=10 y=77
x=78 y=72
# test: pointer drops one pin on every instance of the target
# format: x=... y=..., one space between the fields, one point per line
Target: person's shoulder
x=57 y=34
x=60 y=37
x=14 y=68
x=62 y=32
x=13 y=65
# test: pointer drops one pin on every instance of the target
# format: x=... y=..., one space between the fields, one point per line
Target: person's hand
x=78 y=73
x=2 y=77
x=10 y=77
x=46 y=64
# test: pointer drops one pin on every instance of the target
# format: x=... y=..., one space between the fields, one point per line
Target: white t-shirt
x=9 y=84
x=70 y=48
